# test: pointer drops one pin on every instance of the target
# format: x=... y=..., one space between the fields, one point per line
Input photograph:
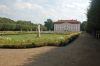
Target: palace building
x=67 y=25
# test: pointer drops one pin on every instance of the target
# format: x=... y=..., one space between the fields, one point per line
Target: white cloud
x=40 y=10
x=3 y=8
x=24 y=5
x=63 y=10
x=69 y=9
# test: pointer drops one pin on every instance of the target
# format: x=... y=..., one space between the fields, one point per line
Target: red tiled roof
x=58 y=22
x=68 y=21
x=74 y=22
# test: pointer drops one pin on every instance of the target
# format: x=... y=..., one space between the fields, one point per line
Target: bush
x=68 y=40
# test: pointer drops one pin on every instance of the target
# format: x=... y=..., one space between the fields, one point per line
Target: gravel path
x=17 y=57
x=85 y=51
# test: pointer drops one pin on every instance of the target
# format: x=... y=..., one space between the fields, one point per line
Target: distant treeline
x=7 y=24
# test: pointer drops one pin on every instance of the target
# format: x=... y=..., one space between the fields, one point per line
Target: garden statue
x=38 y=35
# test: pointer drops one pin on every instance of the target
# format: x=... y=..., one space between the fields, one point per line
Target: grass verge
x=21 y=41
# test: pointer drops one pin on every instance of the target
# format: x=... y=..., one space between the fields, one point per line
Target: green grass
x=30 y=40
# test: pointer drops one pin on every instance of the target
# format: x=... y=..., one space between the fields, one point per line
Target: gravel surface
x=84 y=51
x=17 y=57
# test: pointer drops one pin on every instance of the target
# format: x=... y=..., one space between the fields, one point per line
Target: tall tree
x=93 y=16
x=84 y=26
x=49 y=24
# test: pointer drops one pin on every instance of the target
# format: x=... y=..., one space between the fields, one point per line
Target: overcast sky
x=38 y=11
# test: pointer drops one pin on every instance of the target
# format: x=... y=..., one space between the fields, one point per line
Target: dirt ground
x=84 y=51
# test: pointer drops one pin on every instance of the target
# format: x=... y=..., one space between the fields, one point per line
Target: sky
x=39 y=11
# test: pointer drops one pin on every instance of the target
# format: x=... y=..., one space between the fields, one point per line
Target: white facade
x=67 y=27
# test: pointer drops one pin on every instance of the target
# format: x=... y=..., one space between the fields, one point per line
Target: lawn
x=32 y=39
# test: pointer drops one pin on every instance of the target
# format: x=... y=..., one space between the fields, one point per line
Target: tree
x=49 y=24
x=25 y=25
x=43 y=28
x=84 y=26
x=93 y=16
x=7 y=24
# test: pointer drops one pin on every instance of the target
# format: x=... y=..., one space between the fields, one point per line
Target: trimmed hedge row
x=27 y=32
x=68 y=40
